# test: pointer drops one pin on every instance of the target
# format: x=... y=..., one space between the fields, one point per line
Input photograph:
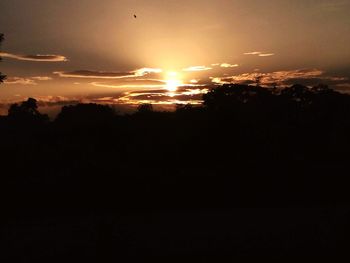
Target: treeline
x=253 y=171
x=244 y=142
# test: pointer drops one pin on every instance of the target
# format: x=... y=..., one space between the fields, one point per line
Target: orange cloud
x=26 y=80
x=197 y=68
x=132 y=83
x=283 y=78
x=253 y=53
x=266 y=55
x=37 y=58
x=41 y=78
x=260 y=54
x=227 y=65
x=20 y=81
x=89 y=74
x=184 y=95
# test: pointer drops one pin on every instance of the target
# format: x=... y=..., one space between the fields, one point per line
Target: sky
x=64 y=51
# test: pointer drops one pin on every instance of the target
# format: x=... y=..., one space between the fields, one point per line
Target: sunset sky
x=64 y=51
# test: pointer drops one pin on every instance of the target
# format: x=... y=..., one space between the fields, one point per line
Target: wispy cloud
x=20 y=81
x=260 y=54
x=161 y=98
x=282 y=78
x=26 y=80
x=343 y=87
x=131 y=83
x=47 y=101
x=144 y=71
x=197 y=68
x=143 y=83
x=89 y=74
x=37 y=58
x=266 y=55
x=184 y=95
x=253 y=53
x=227 y=65
x=41 y=78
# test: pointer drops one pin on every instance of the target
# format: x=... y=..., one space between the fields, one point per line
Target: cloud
x=41 y=78
x=26 y=80
x=197 y=68
x=184 y=95
x=282 y=78
x=343 y=87
x=145 y=71
x=260 y=54
x=20 y=81
x=38 y=58
x=227 y=65
x=253 y=53
x=93 y=74
x=266 y=55
x=164 y=97
x=49 y=101
x=161 y=98
x=144 y=83
x=89 y=74
x=131 y=83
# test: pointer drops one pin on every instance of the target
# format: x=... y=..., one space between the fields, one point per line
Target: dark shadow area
x=2 y=77
x=254 y=172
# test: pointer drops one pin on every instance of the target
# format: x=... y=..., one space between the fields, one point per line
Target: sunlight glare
x=172 y=81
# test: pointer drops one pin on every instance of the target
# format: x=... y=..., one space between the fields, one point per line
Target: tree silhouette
x=85 y=114
x=145 y=108
x=247 y=146
x=232 y=96
x=298 y=93
x=27 y=111
x=2 y=77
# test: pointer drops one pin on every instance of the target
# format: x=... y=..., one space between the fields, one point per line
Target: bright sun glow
x=173 y=81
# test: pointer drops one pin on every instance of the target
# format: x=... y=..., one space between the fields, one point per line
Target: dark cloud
x=93 y=74
x=49 y=101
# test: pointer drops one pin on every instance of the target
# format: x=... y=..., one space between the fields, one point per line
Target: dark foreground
x=254 y=173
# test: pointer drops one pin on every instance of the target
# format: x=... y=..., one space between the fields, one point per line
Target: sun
x=173 y=84
x=172 y=81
